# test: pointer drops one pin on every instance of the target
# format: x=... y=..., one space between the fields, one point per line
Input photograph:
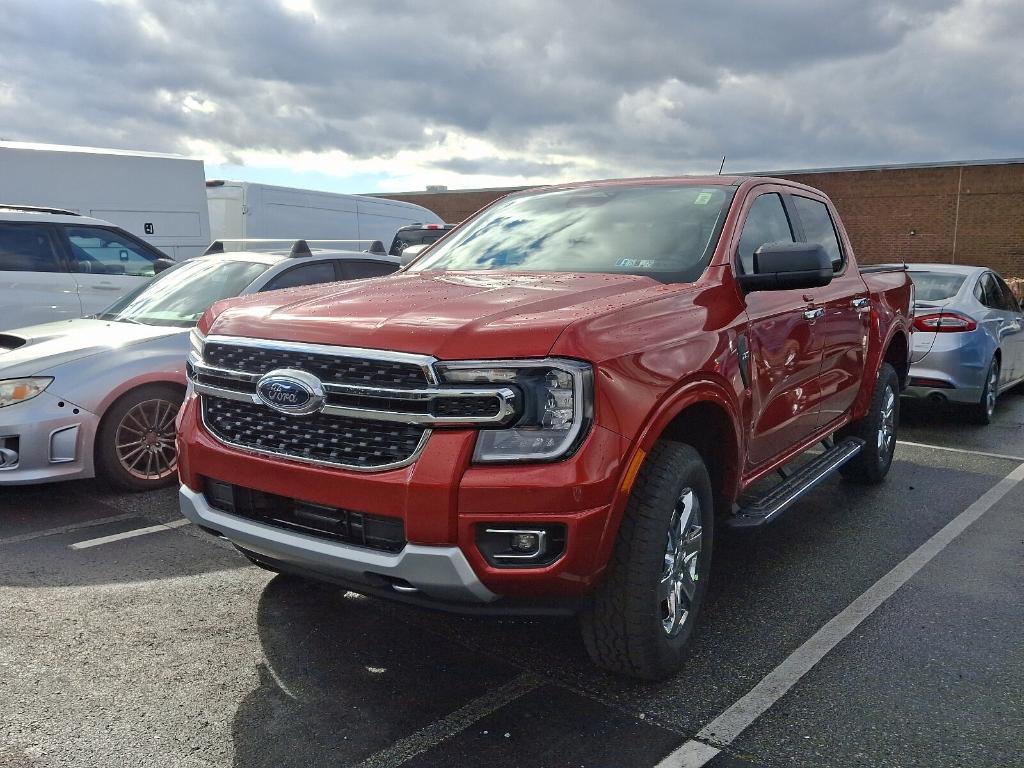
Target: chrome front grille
x=318 y=438
x=329 y=369
x=373 y=410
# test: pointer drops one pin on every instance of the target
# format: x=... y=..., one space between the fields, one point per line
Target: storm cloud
x=471 y=93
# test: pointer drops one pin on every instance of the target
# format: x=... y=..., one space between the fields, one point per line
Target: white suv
x=55 y=264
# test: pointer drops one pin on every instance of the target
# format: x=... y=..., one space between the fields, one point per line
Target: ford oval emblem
x=290 y=391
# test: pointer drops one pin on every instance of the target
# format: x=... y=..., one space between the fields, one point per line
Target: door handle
x=814 y=314
x=861 y=304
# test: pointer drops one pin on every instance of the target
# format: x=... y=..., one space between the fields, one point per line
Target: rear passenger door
x=847 y=306
x=1004 y=319
x=35 y=284
x=310 y=273
x=785 y=343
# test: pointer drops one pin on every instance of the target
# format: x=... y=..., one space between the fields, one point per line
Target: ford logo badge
x=290 y=391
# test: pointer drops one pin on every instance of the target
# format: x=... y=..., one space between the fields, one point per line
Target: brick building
x=960 y=212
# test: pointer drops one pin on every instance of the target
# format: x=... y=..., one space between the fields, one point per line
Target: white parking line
x=68 y=528
x=454 y=723
x=962 y=450
x=130 y=534
x=725 y=728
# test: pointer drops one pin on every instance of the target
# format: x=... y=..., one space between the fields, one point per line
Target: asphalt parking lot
x=166 y=648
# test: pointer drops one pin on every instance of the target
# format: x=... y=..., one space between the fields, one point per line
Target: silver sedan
x=99 y=395
x=968 y=337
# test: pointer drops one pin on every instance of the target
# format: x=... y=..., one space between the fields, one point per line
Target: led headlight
x=556 y=398
x=19 y=390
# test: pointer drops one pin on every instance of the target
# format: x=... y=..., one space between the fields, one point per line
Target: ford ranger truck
x=555 y=407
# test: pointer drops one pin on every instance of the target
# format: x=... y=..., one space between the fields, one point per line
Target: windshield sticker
x=627 y=263
x=702 y=199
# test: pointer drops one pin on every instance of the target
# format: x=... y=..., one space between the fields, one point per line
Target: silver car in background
x=968 y=337
x=100 y=395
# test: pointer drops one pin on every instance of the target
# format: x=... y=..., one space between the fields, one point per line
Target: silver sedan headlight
x=556 y=406
x=19 y=390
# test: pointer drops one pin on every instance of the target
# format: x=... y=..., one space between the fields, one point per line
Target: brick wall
x=881 y=208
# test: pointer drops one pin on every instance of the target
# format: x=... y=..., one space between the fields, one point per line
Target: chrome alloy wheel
x=144 y=440
x=992 y=390
x=681 y=569
x=887 y=423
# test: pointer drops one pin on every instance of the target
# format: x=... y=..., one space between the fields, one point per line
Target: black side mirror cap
x=787 y=266
x=159 y=265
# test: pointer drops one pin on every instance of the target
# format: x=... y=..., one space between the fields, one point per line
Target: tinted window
x=407 y=237
x=993 y=296
x=105 y=252
x=357 y=270
x=936 y=286
x=665 y=232
x=307 y=274
x=1009 y=300
x=27 y=248
x=818 y=228
x=766 y=223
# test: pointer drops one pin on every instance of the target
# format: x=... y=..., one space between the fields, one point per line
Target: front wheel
x=639 y=620
x=878 y=431
x=135 y=442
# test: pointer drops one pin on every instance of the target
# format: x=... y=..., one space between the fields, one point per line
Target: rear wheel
x=878 y=431
x=639 y=620
x=135 y=442
x=986 y=407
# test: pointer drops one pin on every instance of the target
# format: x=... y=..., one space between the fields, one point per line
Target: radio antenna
x=721 y=166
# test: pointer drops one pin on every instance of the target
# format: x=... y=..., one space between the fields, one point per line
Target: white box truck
x=244 y=210
x=159 y=198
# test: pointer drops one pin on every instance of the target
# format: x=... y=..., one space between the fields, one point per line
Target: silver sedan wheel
x=144 y=440
x=992 y=390
x=681 y=569
x=887 y=424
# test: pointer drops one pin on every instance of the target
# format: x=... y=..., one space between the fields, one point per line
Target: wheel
x=640 y=618
x=986 y=407
x=878 y=431
x=135 y=442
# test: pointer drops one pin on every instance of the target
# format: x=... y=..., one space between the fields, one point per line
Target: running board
x=769 y=506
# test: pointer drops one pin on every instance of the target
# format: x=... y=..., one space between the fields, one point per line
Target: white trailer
x=160 y=198
x=243 y=210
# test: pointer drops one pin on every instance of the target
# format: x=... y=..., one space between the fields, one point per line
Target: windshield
x=178 y=296
x=936 y=286
x=666 y=232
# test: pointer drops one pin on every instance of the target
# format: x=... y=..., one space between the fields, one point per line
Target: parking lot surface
x=128 y=638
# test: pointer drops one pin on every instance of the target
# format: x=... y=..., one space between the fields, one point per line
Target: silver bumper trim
x=440 y=572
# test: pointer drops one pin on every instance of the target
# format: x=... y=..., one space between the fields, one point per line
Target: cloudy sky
x=394 y=95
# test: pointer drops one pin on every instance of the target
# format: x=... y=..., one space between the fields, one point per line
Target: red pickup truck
x=555 y=406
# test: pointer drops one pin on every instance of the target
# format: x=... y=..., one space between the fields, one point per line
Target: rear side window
x=766 y=223
x=358 y=270
x=819 y=228
x=307 y=274
x=1009 y=300
x=27 y=248
x=993 y=297
x=937 y=286
x=106 y=252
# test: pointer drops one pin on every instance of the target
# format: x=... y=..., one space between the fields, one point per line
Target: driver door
x=786 y=336
x=106 y=264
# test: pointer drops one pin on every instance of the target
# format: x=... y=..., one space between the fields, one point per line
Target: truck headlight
x=557 y=406
x=19 y=390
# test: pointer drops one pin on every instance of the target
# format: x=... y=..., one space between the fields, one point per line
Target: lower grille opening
x=386 y=534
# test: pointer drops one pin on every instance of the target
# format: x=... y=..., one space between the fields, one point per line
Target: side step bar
x=769 y=506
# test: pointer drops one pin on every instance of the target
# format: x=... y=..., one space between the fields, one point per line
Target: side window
x=993 y=297
x=766 y=223
x=357 y=270
x=106 y=252
x=979 y=291
x=27 y=248
x=306 y=274
x=1009 y=301
x=819 y=228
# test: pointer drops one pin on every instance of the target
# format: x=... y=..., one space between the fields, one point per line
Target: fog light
x=525 y=542
x=528 y=546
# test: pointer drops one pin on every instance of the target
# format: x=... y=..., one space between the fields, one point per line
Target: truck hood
x=39 y=348
x=450 y=315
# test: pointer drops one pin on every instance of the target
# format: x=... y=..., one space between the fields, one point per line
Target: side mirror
x=159 y=265
x=787 y=266
x=412 y=252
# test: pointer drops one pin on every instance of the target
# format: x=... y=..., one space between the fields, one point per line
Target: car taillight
x=944 y=322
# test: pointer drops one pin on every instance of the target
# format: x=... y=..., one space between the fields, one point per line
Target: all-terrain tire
x=878 y=431
x=624 y=620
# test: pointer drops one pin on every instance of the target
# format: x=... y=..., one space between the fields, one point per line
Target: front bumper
x=44 y=439
x=442 y=500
